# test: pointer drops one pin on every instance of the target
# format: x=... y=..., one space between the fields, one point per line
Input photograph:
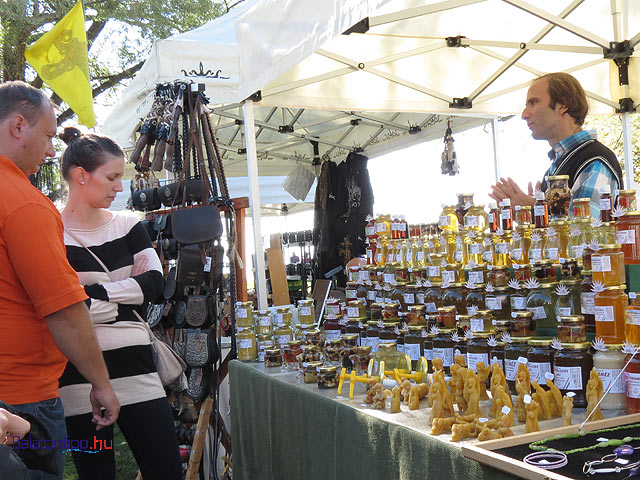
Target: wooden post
x=198 y=442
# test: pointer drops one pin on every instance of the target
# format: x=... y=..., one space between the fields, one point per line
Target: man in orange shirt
x=43 y=318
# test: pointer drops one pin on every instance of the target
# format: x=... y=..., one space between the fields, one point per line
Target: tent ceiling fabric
x=414 y=59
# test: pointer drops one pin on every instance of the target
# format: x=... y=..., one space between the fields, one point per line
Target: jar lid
x=416 y=308
x=580 y=220
x=502 y=322
x=349 y=336
x=616 y=287
x=295 y=343
x=307 y=301
x=446 y=309
x=548 y=285
x=522 y=313
x=372 y=323
x=244 y=304
x=571 y=281
x=313 y=365
x=311 y=348
x=500 y=267
x=333 y=341
x=391 y=324
x=386 y=346
x=558 y=177
x=416 y=328
x=584 y=200
x=502 y=289
x=356 y=303
x=520 y=339
x=264 y=312
x=587 y=272
x=282 y=310
x=632 y=213
x=611 y=246
x=540 y=342
x=576 y=346
x=456 y=285
x=559 y=221
x=273 y=351
x=614 y=346
x=627 y=192
x=328 y=316
x=379 y=305
x=525 y=207
x=446 y=331
x=464 y=316
x=482 y=335
x=328 y=369
x=571 y=318
x=484 y=313
x=542 y=262
x=264 y=337
x=364 y=349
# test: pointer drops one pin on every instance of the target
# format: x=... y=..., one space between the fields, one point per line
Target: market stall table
x=285 y=429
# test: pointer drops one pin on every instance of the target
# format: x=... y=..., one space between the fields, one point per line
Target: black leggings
x=149 y=430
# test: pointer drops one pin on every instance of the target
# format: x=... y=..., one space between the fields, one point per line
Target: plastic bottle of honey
x=540 y=211
x=494 y=217
x=506 y=214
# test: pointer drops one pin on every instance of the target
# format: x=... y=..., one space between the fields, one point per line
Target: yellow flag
x=60 y=58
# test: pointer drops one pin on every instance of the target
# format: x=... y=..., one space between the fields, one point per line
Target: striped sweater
x=123 y=340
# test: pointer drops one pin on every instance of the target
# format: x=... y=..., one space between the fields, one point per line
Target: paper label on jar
x=626 y=237
x=277 y=318
x=475 y=248
x=476 y=276
x=539 y=313
x=434 y=271
x=537 y=370
x=409 y=257
x=353 y=312
x=477 y=325
x=458 y=256
x=363 y=275
x=245 y=343
x=568 y=378
x=413 y=350
x=399 y=257
x=371 y=295
x=518 y=303
x=495 y=359
x=394 y=226
x=409 y=298
x=369 y=255
x=502 y=247
x=491 y=218
x=538 y=210
x=493 y=303
x=399 y=348
x=388 y=277
x=449 y=275
x=380 y=300
x=505 y=214
x=431 y=307
x=420 y=298
x=632 y=317
x=241 y=313
x=378 y=257
x=420 y=256
x=577 y=250
x=374 y=342
x=328 y=335
x=472 y=221
x=305 y=311
x=516 y=254
x=444 y=220
x=632 y=384
x=605 y=204
x=264 y=321
x=428 y=354
x=564 y=311
x=386 y=340
x=604 y=313
x=510 y=368
x=608 y=375
x=370 y=231
x=551 y=253
x=351 y=293
x=446 y=354
x=285 y=339
x=587 y=302
x=389 y=257
x=474 y=358
x=601 y=263
x=487 y=256
x=381 y=227
x=535 y=254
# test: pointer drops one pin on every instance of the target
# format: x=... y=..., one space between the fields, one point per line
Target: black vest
x=581 y=156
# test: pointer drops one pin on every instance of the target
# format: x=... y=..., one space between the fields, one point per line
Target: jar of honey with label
x=609 y=310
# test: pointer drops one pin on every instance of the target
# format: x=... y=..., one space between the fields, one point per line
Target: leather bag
x=201 y=348
x=199 y=310
x=190 y=269
x=195 y=225
x=145 y=200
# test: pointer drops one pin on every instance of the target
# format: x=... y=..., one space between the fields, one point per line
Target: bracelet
x=549 y=460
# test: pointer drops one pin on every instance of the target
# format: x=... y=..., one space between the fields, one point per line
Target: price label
x=420 y=298
x=305 y=311
x=551 y=253
x=604 y=313
x=371 y=295
x=605 y=204
x=388 y=277
x=241 y=313
x=632 y=317
x=477 y=325
x=516 y=254
x=445 y=220
x=434 y=271
x=539 y=210
x=493 y=303
x=381 y=227
x=409 y=298
x=449 y=275
x=535 y=254
x=600 y=263
x=564 y=311
x=502 y=247
x=472 y=221
x=505 y=214
x=568 y=378
x=608 y=375
x=475 y=248
x=588 y=302
x=476 y=277
x=245 y=343
x=518 y=303
x=431 y=307
x=626 y=237
x=539 y=313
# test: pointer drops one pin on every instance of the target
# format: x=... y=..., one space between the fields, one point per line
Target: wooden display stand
x=483 y=452
x=277 y=273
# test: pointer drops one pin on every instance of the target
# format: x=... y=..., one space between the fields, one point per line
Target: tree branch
x=93 y=31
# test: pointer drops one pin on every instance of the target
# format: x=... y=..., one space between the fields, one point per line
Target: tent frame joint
x=285 y=129
x=456 y=41
x=361 y=27
x=413 y=129
x=626 y=105
x=256 y=97
x=461 y=103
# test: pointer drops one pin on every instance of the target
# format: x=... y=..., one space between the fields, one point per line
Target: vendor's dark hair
x=17 y=97
x=86 y=150
x=566 y=90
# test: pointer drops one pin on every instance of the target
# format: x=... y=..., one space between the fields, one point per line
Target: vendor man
x=555 y=111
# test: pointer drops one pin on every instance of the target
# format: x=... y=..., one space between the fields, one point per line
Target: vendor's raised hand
x=508 y=188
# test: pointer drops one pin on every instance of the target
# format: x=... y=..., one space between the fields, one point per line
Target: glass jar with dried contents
x=327 y=376
x=558 y=195
x=522 y=324
x=572 y=329
x=311 y=372
x=273 y=357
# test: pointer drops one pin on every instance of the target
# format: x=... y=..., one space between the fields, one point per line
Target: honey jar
x=607 y=265
x=628 y=236
x=306 y=312
x=247 y=346
x=244 y=314
x=610 y=314
x=572 y=366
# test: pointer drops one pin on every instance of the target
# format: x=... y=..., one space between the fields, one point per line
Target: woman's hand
x=12 y=427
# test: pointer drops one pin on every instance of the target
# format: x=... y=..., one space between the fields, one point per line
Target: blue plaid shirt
x=592 y=178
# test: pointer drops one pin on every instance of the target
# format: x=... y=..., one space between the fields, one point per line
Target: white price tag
x=475 y=248
x=477 y=325
x=564 y=311
x=626 y=237
x=522 y=360
x=551 y=253
x=502 y=247
x=538 y=210
x=409 y=298
x=535 y=254
x=434 y=271
x=449 y=275
x=476 y=277
x=388 y=277
x=506 y=410
x=632 y=317
x=539 y=313
x=493 y=303
x=549 y=376
x=207 y=265
x=472 y=221
x=241 y=313
x=604 y=313
x=600 y=263
x=420 y=256
x=445 y=220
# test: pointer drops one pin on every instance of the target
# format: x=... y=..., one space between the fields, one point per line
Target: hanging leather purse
x=172 y=291
x=145 y=200
x=201 y=349
x=196 y=225
x=200 y=310
x=170 y=194
x=190 y=267
x=179 y=314
x=154 y=313
x=179 y=342
x=199 y=383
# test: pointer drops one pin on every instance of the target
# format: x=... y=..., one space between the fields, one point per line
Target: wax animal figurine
x=532 y=409
x=542 y=396
x=395 y=400
x=555 y=398
x=595 y=389
x=483 y=374
x=567 y=409
x=471 y=393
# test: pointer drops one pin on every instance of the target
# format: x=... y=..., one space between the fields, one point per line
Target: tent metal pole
x=496 y=147
x=254 y=202
x=628 y=154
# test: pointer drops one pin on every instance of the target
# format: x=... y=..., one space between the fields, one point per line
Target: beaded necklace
x=539 y=446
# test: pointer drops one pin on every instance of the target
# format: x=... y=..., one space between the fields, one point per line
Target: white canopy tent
x=471 y=58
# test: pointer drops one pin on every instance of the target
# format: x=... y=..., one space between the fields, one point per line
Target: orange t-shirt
x=35 y=281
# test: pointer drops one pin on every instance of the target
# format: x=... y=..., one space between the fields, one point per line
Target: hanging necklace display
x=622 y=450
